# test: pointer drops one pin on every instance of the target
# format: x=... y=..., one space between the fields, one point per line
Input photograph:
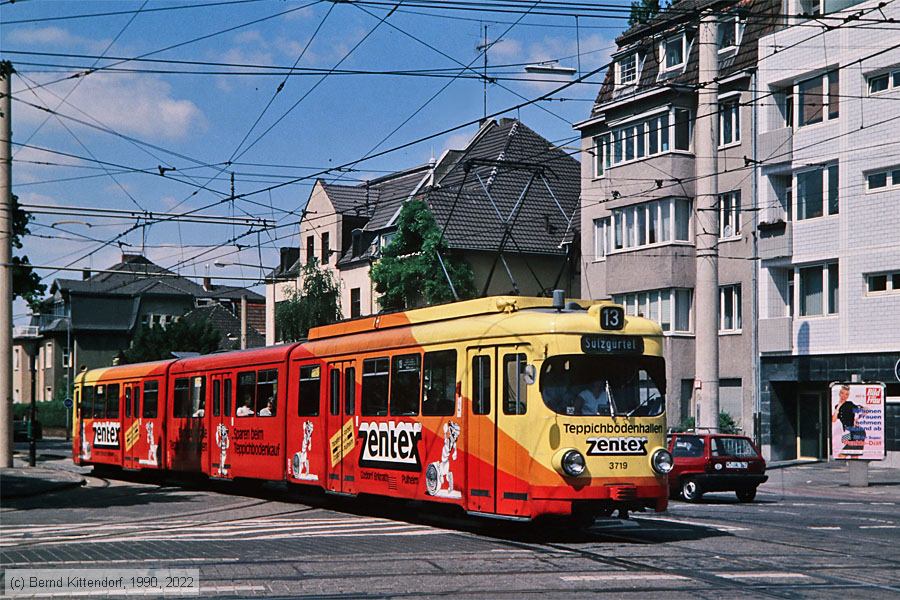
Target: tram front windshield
x=586 y=385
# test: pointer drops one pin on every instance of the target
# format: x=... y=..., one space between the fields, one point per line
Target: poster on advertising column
x=857 y=421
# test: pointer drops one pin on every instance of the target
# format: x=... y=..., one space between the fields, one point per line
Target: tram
x=509 y=407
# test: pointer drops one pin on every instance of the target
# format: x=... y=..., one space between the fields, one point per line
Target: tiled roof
x=352 y=199
x=762 y=17
x=229 y=325
x=136 y=275
x=541 y=226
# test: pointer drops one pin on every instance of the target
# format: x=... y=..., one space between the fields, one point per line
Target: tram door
x=340 y=434
x=220 y=426
x=131 y=425
x=481 y=443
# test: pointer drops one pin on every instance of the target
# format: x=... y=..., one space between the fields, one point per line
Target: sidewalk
x=831 y=480
x=24 y=481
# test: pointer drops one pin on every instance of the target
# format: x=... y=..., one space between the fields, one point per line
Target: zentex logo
x=390 y=445
x=617 y=446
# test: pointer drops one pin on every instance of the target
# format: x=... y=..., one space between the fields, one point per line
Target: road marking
x=623 y=577
x=230 y=588
x=883 y=503
x=717 y=526
x=849 y=503
x=879 y=526
x=824 y=527
x=762 y=575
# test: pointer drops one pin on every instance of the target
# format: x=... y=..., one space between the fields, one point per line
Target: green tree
x=642 y=11
x=409 y=273
x=726 y=424
x=157 y=342
x=26 y=283
x=317 y=302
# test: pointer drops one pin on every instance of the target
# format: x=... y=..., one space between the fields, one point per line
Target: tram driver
x=594 y=400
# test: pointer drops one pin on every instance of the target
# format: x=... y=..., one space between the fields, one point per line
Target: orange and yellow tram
x=507 y=406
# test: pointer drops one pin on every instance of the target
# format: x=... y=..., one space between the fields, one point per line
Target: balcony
x=776 y=146
x=775 y=240
x=776 y=335
x=23 y=331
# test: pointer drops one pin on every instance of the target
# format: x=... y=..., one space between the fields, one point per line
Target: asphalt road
x=807 y=535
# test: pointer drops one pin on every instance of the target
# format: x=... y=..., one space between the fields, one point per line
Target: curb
x=62 y=485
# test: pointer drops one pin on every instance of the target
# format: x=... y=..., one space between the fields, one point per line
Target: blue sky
x=187 y=121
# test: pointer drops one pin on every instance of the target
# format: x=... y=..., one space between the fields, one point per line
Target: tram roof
x=117 y=372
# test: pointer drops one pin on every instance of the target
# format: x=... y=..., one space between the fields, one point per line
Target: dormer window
x=626 y=69
x=672 y=52
x=730 y=31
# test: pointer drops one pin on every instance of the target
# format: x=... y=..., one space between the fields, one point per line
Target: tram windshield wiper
x=643 y=402
x=612 y=402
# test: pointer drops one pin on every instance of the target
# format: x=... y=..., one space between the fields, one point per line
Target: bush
x=49 y=414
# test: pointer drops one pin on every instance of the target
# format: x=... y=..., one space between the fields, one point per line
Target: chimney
x=85 y=274
x=207 y=283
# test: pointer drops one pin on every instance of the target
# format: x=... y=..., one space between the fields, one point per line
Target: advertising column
x=857 y=426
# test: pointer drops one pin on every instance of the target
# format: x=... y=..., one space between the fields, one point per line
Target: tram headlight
x=573 y=463
x=662 y=461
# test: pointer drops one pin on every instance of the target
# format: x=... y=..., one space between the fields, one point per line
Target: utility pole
x=484 y=48
x=6 y=279
x=243 y=321
x=706 y=304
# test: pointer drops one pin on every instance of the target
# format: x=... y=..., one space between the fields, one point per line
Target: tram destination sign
x=612 y=344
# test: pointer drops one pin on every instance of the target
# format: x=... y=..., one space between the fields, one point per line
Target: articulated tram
x=509 y=407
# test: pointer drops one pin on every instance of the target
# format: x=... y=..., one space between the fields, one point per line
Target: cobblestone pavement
x=807 y=535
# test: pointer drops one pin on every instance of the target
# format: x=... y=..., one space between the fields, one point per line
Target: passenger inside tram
x=246 y=409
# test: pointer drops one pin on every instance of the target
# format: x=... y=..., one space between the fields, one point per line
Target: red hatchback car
x=715 y=462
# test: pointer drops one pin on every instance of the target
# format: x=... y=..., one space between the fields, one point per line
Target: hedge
x=49 y=414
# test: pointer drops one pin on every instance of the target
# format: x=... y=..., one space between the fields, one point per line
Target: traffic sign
x=67 y=403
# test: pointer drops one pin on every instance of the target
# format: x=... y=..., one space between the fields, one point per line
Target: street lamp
x=222 y=264
x=550 y=68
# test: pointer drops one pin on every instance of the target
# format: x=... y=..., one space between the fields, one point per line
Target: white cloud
x=142 y=105
x=505 y=49
x=456 y=141
x=54 y=36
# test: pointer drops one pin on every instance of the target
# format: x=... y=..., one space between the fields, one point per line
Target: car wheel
x=690 y=491
x=746 y=495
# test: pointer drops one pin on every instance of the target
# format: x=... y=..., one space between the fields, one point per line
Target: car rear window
x=733 y=447
x=688 y=446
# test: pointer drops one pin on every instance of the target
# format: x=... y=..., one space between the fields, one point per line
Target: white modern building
x=828 y=181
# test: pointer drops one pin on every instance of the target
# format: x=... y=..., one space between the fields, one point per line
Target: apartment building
x=829 y=221
x=639 y=170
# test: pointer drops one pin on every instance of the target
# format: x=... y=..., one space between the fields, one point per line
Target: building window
x=627 y=69
x=355 y=303
x=48 y=355
x=310 y=249
x=729 y=121
x=730 y=214
x=16 y=359
x=817 y=192
x=671 y=308
x=729 y=33
x=326 y=248
x=819 y=98
x=672 y=52
x=884 y=82
x=647 y=224
x=66 y=358
x=819 y=290
x=639 y=139
x=730 y=308
x=882 y=180
x=602 y=234
x=883 y=283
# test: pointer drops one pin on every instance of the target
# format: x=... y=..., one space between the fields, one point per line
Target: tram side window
x=78 y=406
x=481 y=385
x=246 y=393
x=181 y=401
x=151 y=399
x=99 y=409
x=87 y=402
x=334 y=394
x=515 y=389
x=375 y=387
x=128 y=401
x=198 y=397
x=267 y=389
x=439 y=383
x=136 y=401
x=112 y=401
x=350 y=390
x=405 y=375
x=217 y=397
x=310 y=387
x=228 y=397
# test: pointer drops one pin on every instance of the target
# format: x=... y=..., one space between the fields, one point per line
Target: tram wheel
x=690 y=491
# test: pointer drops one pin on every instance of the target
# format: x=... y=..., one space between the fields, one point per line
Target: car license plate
x=733 y=464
